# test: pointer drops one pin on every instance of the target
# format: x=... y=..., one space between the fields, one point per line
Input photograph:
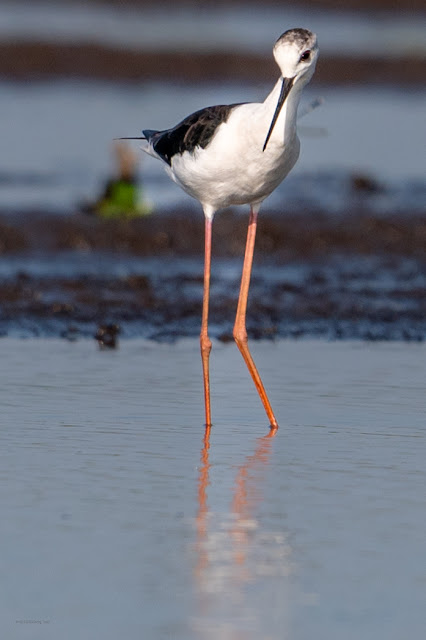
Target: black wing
x=196 y=130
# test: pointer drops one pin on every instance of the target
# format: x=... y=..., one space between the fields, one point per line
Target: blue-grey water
x=120 y=519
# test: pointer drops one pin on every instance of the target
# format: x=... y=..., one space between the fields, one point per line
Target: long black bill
x=285 y=90
x=140 y=138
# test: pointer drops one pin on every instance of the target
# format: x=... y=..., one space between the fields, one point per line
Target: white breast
x=233 y=169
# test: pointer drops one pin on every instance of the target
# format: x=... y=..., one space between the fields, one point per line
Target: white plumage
x=233 y=169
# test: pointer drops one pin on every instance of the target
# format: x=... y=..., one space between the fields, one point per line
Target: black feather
x=196 y=130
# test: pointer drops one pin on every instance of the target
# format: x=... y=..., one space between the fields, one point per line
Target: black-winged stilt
x=238 y=154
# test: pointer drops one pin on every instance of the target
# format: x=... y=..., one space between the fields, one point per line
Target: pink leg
x=240 y=332
x=205 y=341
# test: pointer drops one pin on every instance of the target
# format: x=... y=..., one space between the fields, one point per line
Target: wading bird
x=238 y=154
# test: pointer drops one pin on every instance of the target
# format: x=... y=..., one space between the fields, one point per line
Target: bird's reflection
x=203 y=482
x=247 y=496
x=232 y=549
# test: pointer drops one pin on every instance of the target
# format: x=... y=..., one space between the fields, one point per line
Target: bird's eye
x=305 y=55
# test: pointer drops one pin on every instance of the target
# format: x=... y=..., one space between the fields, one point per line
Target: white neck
x=285 y=126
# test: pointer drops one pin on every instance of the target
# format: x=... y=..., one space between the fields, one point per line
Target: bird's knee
x=240 y=337
x=205 y=344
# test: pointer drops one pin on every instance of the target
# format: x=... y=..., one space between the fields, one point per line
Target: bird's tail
x=148 y=134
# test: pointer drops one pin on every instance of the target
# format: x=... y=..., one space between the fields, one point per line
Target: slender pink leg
x=240 y=331
x=205 y=341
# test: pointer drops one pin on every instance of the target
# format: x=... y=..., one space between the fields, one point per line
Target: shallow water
x=119 y=519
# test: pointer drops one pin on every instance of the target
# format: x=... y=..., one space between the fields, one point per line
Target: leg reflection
x=239 y=556
x=222 y=541
x=203 y=482
x=246 y=498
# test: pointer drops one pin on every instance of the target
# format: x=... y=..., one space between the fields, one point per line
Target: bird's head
x=296 y=53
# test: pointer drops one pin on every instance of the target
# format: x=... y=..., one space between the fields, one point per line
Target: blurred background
x=75 y=75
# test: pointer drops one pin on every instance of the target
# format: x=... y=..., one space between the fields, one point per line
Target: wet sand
x=315 y=275
x=301 y=234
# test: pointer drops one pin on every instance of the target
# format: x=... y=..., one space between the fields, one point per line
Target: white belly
x=233 y=169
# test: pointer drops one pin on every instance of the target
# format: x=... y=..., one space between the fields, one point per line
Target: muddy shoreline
x=40 y=61
x=361 y=277
x=301 y=234
x=340 y=297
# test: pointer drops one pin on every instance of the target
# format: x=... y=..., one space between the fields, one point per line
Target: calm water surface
x=120 y=518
